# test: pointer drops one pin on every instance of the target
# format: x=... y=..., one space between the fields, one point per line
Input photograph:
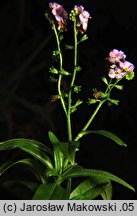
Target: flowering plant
x=57 y=169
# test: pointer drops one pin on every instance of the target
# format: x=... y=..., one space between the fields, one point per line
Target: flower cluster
x=119 y=67
x=82 y=17
x=60 y=15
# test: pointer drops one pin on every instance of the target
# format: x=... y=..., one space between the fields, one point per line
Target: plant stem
x=90 y=120
x=75 y=54
x=60 y=75
x=70 y=99
x=108 y=91
x=72 y=84
x=69 y=118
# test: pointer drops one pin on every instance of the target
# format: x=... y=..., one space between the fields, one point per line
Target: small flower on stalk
x=60 y=14
x=116 y=73
x=126 y=66
x=82 y=16
x=119 y=67
x=115 y=56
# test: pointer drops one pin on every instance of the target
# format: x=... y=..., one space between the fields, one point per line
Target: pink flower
x=116 y=72
x=60 y=14
x=115 y=56
x=119 y=67
x=83 y=17
x=126 y=66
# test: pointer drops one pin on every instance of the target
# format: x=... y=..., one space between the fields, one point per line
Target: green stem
x=72 y=84
x=69 y=118
x=60 y=75
x=75 y=54
x=70 y=99
x=115 y=83
x=90 y=120
x=108 y=91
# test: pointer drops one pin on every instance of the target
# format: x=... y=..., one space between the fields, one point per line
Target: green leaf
x=107 y=193
x=74 y=145
x=50 y=192
x=89 y=189
x=64 y=147
x=33 y=147
x=69 y=149
x=104 y=79
x=36 y=168
x=119 y=87
x=20 y=189
x=58 y=155
x=52 y=172
x=130 y=75
x=78 y=171
x=105 y=133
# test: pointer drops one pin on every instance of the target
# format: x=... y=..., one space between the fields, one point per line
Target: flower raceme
x=82 y=16
x=119 y=67
x=60 y=14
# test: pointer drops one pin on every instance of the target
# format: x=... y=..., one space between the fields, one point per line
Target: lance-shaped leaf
x=50 y=192
x=20 y=189
x=35 y=166
x=107 y=192
x=78 y=171
x=89 y=189
x=33 y=147
x=58 y=155
x=105 y=133
x=68 y=149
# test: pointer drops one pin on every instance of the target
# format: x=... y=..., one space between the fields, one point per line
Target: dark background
x=26 y=44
